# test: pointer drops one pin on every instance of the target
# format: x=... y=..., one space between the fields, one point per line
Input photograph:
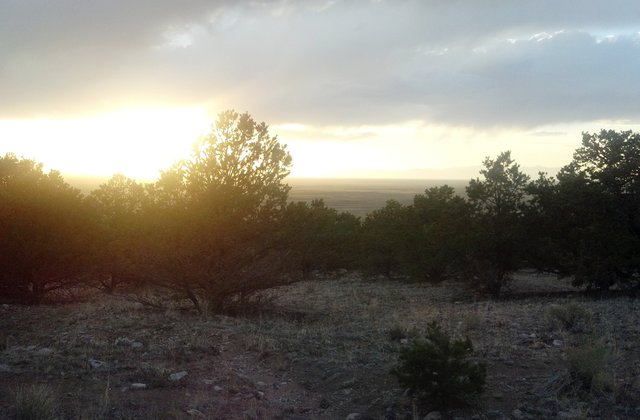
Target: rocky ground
x=320 y=349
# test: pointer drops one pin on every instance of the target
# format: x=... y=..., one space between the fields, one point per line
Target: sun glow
x=136 y=142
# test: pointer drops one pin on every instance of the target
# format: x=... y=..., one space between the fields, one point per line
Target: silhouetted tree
x=319 y=237
x=590 y=217
x=387 y=235
x=441 y=223
x=44 y=231
x=217 y=214
x=496 y=236
x=119 y=206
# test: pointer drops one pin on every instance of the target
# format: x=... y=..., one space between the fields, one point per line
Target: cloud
x=467 y=63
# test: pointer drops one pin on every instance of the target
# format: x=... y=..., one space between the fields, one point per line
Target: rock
x=11 y=341
x=434 y=415
x=557 y=343
x=177 y=376
x=97 y=364
x=123 y=341
x=138 y=385
x=353 y=416
x=389 y=414
x=195 y=413
x=217 y=388
x=45 y=351
x=404 y=341
x=137 y=345
x=517 y=414
x=570 y=414
x=208 y=381
x=259 y=395
x=261 y=384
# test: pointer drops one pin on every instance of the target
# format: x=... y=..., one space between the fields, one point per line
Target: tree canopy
x=44 y=231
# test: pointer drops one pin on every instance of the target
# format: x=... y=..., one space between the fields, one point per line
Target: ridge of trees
x=216 y=228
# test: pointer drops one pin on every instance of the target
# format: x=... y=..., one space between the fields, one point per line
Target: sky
x=355 y=88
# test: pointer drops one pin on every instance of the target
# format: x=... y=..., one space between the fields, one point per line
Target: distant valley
x=357 y=196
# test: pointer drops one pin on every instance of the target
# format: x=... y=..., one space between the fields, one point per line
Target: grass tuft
x=34 y=402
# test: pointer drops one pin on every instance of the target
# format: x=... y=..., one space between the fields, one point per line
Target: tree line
x=217 y=228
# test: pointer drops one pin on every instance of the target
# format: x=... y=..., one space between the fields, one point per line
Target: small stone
x=4 y=368
x=97 y=364
x=138 y=385
x=123 y=341
x=557 y=343
x=45 y=351
x=570 y=414
x=195 y=413
x=261 y=384
x=434 y=415
x=137 y=345
x=177 y=376
x=259 y=395
x=353 y=416
x=208 y=381
x=217 y=388
x=404 y=341
x=517 y=414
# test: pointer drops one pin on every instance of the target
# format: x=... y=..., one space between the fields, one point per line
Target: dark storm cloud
x=319 y=62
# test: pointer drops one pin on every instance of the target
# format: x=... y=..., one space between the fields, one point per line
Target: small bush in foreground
x=588 y=367
x=437 y=370
x=35 y=402
x=569 y=316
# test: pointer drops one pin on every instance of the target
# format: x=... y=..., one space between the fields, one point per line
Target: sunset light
x=136 y=142
x=319 y=209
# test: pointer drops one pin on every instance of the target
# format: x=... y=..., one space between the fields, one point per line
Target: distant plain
x=357 y=196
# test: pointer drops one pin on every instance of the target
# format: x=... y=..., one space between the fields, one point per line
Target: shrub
x=437 y=370
x=588 y=367
x=570 y=316
x=35 y=402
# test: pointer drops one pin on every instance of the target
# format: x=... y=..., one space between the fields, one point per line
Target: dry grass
x=34 y=402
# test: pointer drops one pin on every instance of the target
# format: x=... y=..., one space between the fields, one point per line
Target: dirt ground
x=321 y=349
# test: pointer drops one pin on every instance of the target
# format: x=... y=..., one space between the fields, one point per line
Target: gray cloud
x=347 y=62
